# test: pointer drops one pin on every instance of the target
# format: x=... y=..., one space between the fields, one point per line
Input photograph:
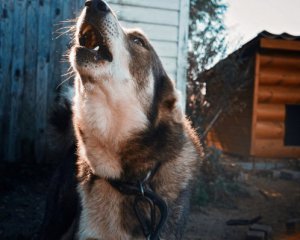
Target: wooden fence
x=31 y=68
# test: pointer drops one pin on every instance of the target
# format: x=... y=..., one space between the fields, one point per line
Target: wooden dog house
x=264 y=76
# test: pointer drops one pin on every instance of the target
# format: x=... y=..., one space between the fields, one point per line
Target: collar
x=144 y=194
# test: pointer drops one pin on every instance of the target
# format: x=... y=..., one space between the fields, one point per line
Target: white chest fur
x=106 y=116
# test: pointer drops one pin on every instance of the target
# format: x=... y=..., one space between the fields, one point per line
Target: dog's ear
x=170 y=106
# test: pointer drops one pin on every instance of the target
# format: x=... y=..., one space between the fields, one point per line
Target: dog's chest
x=101 y=216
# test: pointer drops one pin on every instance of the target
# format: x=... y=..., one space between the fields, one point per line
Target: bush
x=217 y=183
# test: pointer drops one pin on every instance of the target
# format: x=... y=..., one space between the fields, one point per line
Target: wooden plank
x=165 y=49
x=60 y=24
x=155 y=31
x=270 y=112
x=61 y=12
x=1 y=77
x=274 y=94
x=255 y=101
x=287 y=61
x=274 y=148
x=278 y=77
x=56 y=53
x=6 y=24
x=2 y=29
x=78 y=5
x=269 y=130
x=165 y=4
x=183 y=49
x=143 y=15
x=44 y=33
x=28 y=110
x=170 y=64
x=17 y=81
x=266 y=146
x=67 y=15
x=58 y=30
x=280 y=44
x=285 y=70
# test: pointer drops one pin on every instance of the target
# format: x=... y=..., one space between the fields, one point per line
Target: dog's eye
x=138 y=41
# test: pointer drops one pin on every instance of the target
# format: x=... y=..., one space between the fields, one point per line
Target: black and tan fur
x=127 y=118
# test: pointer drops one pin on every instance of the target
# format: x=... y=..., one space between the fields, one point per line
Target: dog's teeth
x=96 y=48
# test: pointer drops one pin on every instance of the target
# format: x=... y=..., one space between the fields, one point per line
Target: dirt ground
x=275 y=200
x=23 y=189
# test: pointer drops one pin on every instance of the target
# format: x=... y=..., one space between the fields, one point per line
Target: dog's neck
x=103 y=123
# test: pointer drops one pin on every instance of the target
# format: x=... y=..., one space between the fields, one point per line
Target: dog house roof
x=249 y=48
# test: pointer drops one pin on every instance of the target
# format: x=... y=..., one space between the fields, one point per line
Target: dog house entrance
x=292 y=125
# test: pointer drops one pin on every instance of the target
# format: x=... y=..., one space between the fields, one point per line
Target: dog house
x=261 y=117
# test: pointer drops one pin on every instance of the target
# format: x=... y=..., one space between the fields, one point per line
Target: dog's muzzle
x=92 y=36
x=97 y=5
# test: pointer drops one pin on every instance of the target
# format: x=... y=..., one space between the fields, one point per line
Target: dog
x=127 y=171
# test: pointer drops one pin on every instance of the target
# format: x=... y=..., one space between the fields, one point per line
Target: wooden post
x=28 y=110
x=255 y=99
x=17 y=80
x=44 y=32
x=6 y=37
x=183 y=49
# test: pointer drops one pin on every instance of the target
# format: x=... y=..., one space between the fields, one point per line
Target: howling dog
x=131 y=155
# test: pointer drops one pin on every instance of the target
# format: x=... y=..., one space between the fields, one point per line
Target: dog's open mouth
x=92 y=39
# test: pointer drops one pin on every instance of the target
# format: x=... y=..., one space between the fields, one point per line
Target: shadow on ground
x=23 y=189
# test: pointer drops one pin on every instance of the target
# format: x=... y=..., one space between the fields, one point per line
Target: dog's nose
x=98 y=5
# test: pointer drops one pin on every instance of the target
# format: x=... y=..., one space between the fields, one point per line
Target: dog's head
x=121 y=63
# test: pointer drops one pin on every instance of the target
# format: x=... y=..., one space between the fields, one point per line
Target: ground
x=275 y=200
x=23 y=188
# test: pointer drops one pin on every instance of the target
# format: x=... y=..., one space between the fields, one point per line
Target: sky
x=246 y=18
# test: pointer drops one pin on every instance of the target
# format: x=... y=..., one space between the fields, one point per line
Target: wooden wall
x=260 y=128
x=277 y=84
x=32 y=66
x=165 y=22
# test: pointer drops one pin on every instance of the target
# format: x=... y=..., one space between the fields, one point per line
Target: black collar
x=144 y=194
